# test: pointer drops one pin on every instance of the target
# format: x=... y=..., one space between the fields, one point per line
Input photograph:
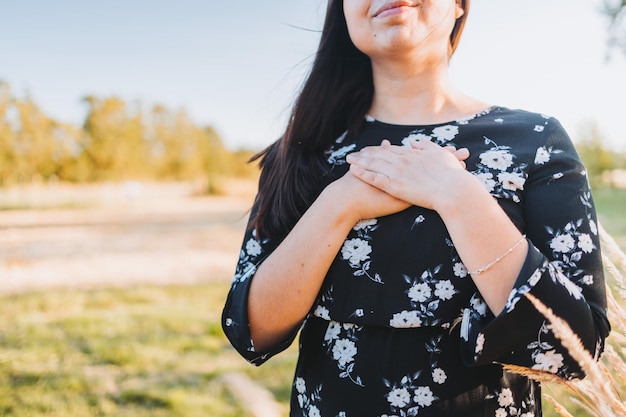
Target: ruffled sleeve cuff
x=520 y=335
x=236 y=325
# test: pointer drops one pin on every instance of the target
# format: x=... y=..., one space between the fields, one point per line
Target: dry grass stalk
x=616 y=314
x=612 y=248
x=600 y=393
x=596 y=372
x=539 y=376
x=557 y=406
x=618 y=365
x=549 y=378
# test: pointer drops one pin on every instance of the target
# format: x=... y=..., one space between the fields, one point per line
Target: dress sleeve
x=235 y=321
x=563 y=269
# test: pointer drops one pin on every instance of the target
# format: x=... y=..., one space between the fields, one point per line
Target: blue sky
x=236 y=66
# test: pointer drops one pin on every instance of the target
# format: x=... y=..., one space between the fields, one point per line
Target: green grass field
x=150 y=351
x=143 y=351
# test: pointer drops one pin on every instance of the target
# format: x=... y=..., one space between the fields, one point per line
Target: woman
x=398 y=225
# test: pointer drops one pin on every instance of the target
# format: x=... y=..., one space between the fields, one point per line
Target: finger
x=367 y=156
x=462 y=154
x=372 y=178
x=416 y=144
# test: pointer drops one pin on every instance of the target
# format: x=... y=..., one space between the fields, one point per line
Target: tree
x=7 y=137
x=114 y=144
x=615 y=10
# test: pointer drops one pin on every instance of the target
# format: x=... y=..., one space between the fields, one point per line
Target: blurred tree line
x=600 y=160
x=117 y=141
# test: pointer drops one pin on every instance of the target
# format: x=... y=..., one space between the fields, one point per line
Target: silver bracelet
x=498 y=259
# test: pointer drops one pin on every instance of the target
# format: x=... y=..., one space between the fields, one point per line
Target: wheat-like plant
x=600 y=393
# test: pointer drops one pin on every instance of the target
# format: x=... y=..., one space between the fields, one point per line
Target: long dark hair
x=335 y=98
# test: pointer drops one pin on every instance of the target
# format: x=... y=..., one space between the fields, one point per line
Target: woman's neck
x=418 y=94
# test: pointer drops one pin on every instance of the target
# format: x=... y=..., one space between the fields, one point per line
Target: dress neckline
x=462 y=120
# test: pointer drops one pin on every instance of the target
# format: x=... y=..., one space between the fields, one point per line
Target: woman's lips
x=391 y=8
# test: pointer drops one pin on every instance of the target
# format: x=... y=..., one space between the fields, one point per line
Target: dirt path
x=170 y=239
x=258 y=401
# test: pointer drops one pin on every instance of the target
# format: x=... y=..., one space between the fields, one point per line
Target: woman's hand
x=363 y=200
x=424 y=174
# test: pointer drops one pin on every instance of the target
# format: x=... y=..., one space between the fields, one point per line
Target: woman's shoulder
x=508 y=115
x=519 y=123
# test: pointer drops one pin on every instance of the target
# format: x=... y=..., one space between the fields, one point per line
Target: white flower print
x=415 y=137
x=498 y=120
x=340 y=341
x=569 y=246
x=418 y=220
x=538 y=128
x=307 y=402
x=593 y=227
x=332 y=332
x=542 y=156
x=445 y=133
x=406 y=319
x=501 y=412
x=499 y=174
x=356 y=251
x=419 y=396
x=300 y=385
x=365 y=223
x=420 y=292
x=399 y=397
x=585 y=243
x=253 y=247
x=480 y=343
x=572 y=288
x=460 y=270
x=487 y=179
x=535 y=277
x=424 y=396
x=444 y=289
x=321 y=312
x=479 y=305
x=505 y=398
x=557 y=176
x=344 y=351
x=562 y=243
x=549 y=361
x=425 y=294
x=439 y=376
x=337 y=157
x=543 y=353
x=314 y=411
x=497 y=159
x=587 y=280
x=512 y=181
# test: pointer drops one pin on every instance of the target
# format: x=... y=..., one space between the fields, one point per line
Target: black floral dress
x=399 y=328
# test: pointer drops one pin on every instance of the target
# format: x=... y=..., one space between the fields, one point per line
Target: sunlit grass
x=149 y=351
